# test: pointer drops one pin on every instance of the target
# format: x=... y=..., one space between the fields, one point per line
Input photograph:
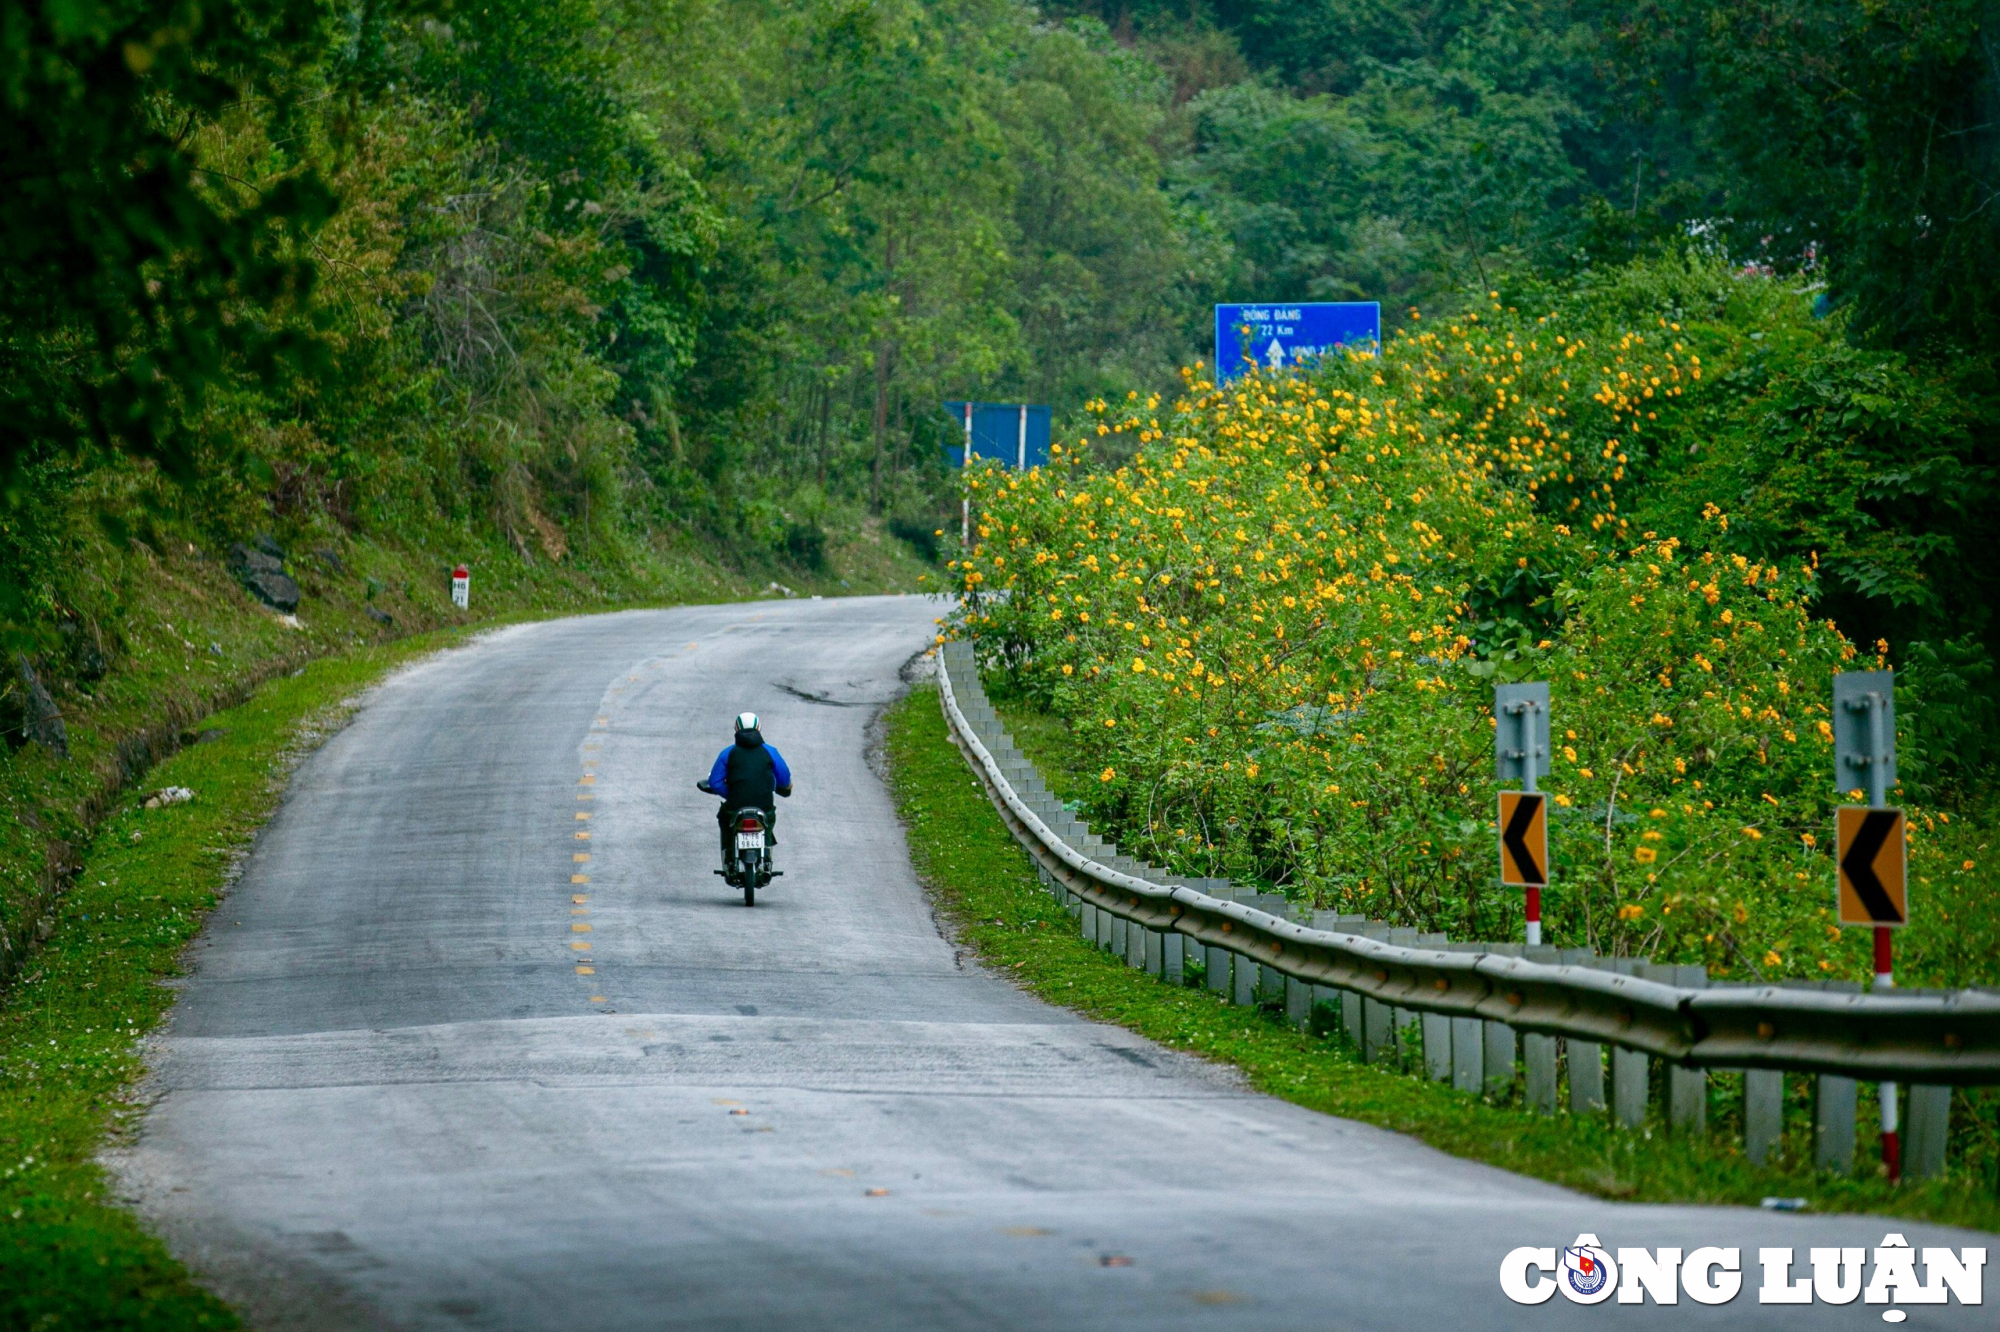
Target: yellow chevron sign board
x=1870 y=849
x=1524 y=839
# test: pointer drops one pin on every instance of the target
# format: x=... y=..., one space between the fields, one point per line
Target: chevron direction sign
x=1524 y=839
x=1870 y=852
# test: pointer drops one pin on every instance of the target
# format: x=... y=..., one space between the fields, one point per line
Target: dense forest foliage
x=594 y=277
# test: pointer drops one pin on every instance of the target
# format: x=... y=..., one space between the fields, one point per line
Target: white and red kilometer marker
x=461 y=587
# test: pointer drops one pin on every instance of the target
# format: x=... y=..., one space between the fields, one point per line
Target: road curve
x=390 y=1097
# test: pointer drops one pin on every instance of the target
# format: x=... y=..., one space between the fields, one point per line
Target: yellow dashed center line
x=591 y=748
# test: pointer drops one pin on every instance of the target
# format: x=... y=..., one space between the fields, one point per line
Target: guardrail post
x=1298 y=1003
x=1586 y=1076
x=1833 y=1123
x=1378 y=1036
x=1538 y=1064
x=1924 y=1140
x=1404 y=1020
x=1500 y=1056
x=1114 y=940
x=1173 y=958
x=1763 y=1113
x=1244 y=991
x=1630 y=1073
x=1468 y=1044
x=1499 y=1039
x=1437 y=1026
x=1629 y=1076
x=1437 y=1047
x=1583 y=1060
x=1687 y=1088
x=1218 y=969
x=1088 y=916
x=1155 y=944
x=1135 y=945
x=1468 y=1055
x=1538 y=1053
x=1350 y=1016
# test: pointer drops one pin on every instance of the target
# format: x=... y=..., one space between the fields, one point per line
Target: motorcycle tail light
x=749 y=825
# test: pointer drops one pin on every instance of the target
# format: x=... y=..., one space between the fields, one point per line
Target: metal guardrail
x=1934 y=1039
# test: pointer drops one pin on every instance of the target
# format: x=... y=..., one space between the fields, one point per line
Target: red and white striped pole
x=965 y=502
x=1892 y=1146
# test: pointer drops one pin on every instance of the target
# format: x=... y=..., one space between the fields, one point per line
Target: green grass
x=70 y=1028
x=985 y=886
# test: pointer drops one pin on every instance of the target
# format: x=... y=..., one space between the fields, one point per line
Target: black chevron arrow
x=1515 y=839
x=1859 y=865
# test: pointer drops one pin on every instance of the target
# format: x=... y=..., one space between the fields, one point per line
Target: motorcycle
x=749 y=868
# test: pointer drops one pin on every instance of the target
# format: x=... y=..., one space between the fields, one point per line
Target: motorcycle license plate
x=749 y=841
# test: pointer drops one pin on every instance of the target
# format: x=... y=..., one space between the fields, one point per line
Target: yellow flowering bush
x=1266 y=629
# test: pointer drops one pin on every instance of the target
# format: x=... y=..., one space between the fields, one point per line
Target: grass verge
x=70 y=1028
x=984 y=884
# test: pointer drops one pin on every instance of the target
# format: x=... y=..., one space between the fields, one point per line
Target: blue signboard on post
x=1013 y=434
x=1272 y=338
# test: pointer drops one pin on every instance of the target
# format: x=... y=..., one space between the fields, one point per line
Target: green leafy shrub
x=1276 y=632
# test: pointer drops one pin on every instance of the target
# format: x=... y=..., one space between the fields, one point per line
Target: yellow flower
x=1068 y=669
x=1631 y=911
x=1753 y=834
x=1107 y=774
x=1771 y=959
x=1809 y=839
x=1585 y=772
x=1645 y=855
x=1138 y=666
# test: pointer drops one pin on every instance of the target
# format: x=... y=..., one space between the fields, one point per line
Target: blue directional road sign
x=1012 y=434
x=1272 y=338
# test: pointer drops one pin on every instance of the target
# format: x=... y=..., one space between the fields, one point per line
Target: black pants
x=727 y=825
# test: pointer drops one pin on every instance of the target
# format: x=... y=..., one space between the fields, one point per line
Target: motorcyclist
x=747 y=775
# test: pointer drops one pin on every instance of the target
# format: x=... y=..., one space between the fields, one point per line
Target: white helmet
x=746 y=721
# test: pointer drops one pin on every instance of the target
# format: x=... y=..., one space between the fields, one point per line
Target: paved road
x=392 y=1094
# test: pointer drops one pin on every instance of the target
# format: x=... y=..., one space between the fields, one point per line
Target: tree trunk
x=825 y=408
x=881 y=421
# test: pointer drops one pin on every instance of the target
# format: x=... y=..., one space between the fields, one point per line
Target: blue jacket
x=718 y=776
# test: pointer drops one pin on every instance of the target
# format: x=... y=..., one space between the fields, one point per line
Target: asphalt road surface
x=434 y=1068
